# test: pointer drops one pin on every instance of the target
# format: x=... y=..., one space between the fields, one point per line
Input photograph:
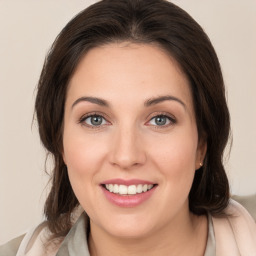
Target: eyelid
x=106 y=118
x=87 y=115
x=165 y=114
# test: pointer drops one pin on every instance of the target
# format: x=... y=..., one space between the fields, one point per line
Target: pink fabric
x=235 y=234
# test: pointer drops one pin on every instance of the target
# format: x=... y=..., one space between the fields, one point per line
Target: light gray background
x=27 y=29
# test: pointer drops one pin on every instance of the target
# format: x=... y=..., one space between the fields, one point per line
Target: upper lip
x=126 y=182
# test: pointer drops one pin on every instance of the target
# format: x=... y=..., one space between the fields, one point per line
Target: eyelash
x=90 y=115
x=171 y=119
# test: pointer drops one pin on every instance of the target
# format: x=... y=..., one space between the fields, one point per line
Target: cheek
x=176 y=156
x=83 y=154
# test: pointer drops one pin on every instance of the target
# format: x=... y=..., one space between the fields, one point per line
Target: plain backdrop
x=27 y=29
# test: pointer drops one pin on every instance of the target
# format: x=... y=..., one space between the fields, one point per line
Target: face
x=130 y=139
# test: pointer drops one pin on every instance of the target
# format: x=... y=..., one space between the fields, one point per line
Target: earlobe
x=201 y=152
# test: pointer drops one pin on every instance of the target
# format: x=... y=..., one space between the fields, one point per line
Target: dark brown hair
x=138 y=21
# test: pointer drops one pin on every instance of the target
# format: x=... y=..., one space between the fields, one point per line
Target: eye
x=161 y=120
x=93 y=120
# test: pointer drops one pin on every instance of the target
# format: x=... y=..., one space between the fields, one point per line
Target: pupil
x=96 y=120
x=161 y=120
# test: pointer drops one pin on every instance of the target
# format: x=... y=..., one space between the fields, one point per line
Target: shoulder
x=38 y=241
x=249 y=202
x=35 y=242
x=11 y=248
x=236 y=232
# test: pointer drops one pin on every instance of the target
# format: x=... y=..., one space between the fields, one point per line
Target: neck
x=186 y=236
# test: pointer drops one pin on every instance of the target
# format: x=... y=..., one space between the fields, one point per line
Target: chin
x=129 y=227
x=130 y=232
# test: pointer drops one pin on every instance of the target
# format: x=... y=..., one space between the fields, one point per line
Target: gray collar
x=75 y=243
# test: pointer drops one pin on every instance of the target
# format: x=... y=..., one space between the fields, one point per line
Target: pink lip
x=127 y=182
x=128 y=200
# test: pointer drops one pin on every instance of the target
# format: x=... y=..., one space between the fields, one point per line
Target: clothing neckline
x=75 y=243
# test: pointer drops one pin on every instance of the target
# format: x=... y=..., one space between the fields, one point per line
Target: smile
x=128 y=193
x=128 y=190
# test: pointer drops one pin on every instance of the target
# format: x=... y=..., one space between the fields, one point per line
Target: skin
x=130 y=144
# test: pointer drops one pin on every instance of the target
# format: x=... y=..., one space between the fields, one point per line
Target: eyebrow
x=154 y=101
x=147 y=103
x=93 y=100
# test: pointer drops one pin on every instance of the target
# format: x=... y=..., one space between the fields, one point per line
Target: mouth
x=125 y=190
x=128 y=193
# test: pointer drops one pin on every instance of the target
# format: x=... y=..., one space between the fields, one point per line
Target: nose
x=127 y=149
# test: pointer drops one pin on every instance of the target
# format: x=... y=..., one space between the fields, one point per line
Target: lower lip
x=128 y=200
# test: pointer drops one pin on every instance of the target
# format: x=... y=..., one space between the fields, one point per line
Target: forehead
x=128 y=71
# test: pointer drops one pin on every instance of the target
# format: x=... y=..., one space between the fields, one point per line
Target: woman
x=131 y=104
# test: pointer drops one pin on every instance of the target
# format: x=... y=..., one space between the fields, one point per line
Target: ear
x=201 y=152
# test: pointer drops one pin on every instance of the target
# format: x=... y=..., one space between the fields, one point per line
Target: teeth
x=116 y=189
x=128 y=190
x=139 y=188
x=122 y=190
x=150 y=186
x=131 y=190
x=111 y=187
